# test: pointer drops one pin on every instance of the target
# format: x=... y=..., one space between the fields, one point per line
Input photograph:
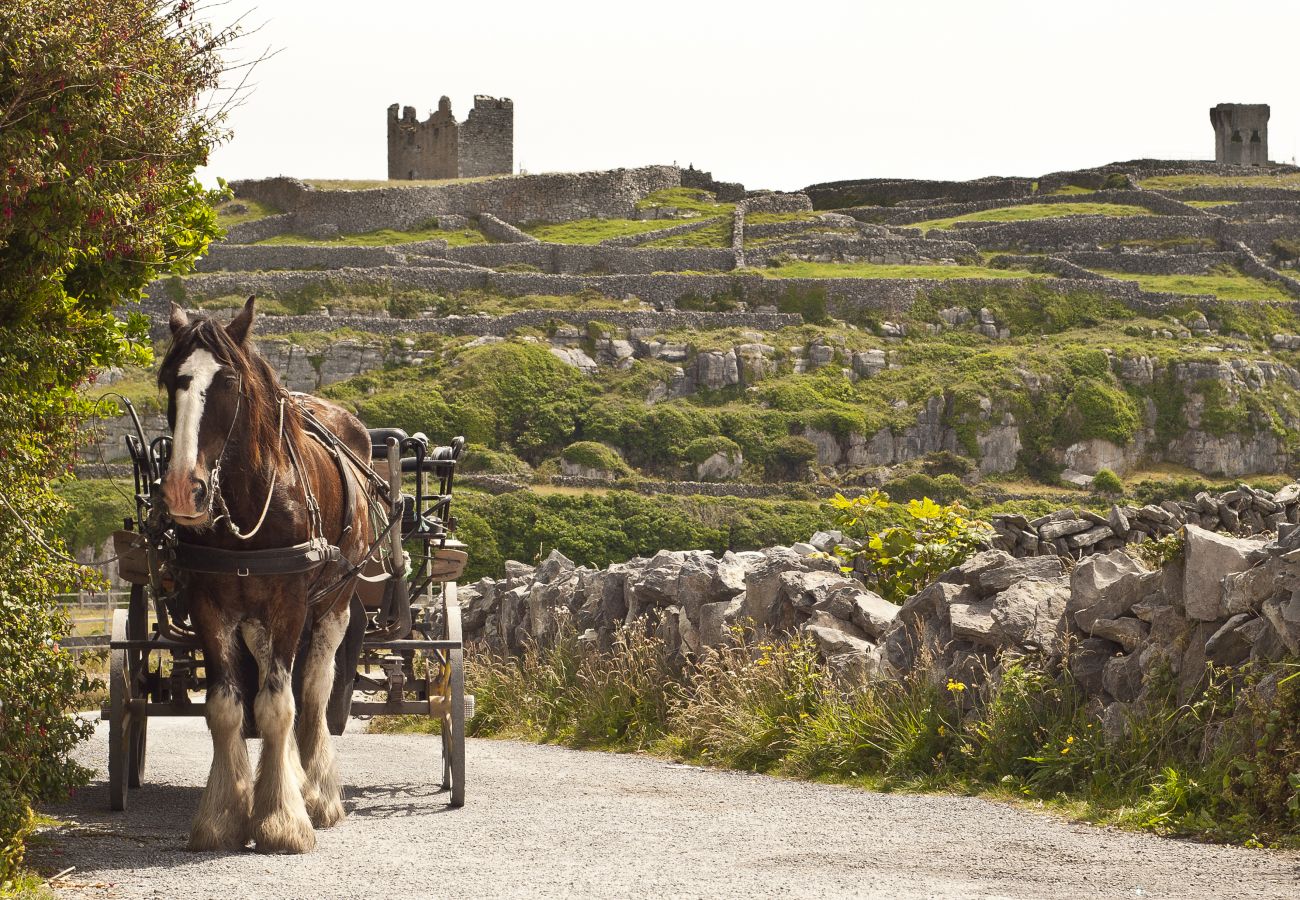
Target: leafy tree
x=102 y=123
x=902 y=559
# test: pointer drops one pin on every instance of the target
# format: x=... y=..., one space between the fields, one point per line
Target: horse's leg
x=321 y=790
x=280 y=822
x=221 y=822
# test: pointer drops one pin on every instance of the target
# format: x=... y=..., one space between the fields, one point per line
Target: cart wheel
x=138 y=673
x=119 y=704
x=455 y=717
x=138 y=732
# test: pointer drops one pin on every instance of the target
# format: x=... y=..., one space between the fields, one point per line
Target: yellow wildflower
x=1065 y=750
x=1070 y=739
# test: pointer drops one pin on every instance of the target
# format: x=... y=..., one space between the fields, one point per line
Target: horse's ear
x=241 y=324
x=177 y=319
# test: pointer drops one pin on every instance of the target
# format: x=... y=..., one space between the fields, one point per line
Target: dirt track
x=549 y=822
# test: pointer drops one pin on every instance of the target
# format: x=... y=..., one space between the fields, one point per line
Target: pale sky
x=776 y=95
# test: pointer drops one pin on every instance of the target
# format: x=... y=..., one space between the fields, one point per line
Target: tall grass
x=1224 y=766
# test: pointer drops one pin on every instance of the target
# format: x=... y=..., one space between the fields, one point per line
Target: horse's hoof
x=284 y=833
x=206 y=839
x=325 y=813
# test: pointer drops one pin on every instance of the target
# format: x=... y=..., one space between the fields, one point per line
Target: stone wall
x=848 y=298
x=1154 y=263
x=577 y=259
x=1086 y=232
x=228 y=257
x=891 y=192
x=522 y=198
x=1156 y=203
x=725 y=191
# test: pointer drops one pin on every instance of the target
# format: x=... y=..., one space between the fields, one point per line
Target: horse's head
x=210 y=376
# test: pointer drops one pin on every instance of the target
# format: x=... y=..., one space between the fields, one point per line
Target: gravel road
x=550 y=822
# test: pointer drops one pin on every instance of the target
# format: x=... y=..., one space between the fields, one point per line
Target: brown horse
x=245 y=475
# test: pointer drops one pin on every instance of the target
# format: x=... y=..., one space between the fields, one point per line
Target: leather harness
x=299 y=558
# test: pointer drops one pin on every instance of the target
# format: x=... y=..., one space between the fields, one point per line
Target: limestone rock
x=1104 y=586
x=1126 y=631
x=1208 y=557
x=1004 y=576
x=716 y=620
x=1030 y=613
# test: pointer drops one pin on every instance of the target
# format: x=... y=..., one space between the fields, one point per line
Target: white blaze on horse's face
x=185 y=487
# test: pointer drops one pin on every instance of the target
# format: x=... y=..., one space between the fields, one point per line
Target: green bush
x=1108 y=483
x=902 y=559
x=1097 y=409
x=700 y=449
x=790 y=458
x=593 y=455
x=947 y=488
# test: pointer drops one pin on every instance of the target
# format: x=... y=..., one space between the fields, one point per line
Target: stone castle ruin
x=441 y=147
x=1240 y=133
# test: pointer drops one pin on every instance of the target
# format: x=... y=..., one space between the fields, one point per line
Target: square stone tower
x=1240 y=133
x=441 y=147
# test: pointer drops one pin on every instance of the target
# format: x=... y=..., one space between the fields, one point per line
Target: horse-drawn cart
x=403 y=649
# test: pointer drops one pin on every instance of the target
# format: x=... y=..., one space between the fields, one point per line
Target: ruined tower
x=1240 y=133
x=441 y=147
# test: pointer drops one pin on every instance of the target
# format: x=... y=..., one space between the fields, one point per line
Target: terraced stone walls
x=525 y=198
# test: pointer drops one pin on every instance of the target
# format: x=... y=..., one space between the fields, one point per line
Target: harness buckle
x=242 y=573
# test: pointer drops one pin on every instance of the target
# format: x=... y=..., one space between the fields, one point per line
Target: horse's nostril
x=200 y=491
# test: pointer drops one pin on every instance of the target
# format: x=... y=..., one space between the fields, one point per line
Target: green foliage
x=790 y=458
x=100 y=130
x=599 y=528
x=594 y=455
x=945 y=488
x=700 y=449
x=1097 y=409
x=1108 y=483
x=809 y=302
x=902 y=559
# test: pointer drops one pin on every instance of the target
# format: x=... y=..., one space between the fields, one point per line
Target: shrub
x=902 y=559
x=790 y=458
x=1096 y=409
x=592 y=455
x=700 y=449
x=946 y=488
x=1108 y=483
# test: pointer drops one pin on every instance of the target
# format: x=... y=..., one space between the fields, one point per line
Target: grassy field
x=1286 y=180
x=1209 y=204
x=868 y=270
x=229 y=213
x=715 y=234
x=1070 y=190
x=1225 y=282
x=777 y=218
x=593 y=231
x=1036 y=211
x=692 y=199
x=386 y=237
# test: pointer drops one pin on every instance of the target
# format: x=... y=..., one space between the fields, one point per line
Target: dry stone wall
x=520 y=198
x=1116 y=623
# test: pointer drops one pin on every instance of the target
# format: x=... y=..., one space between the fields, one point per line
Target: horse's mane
x=260 y=387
